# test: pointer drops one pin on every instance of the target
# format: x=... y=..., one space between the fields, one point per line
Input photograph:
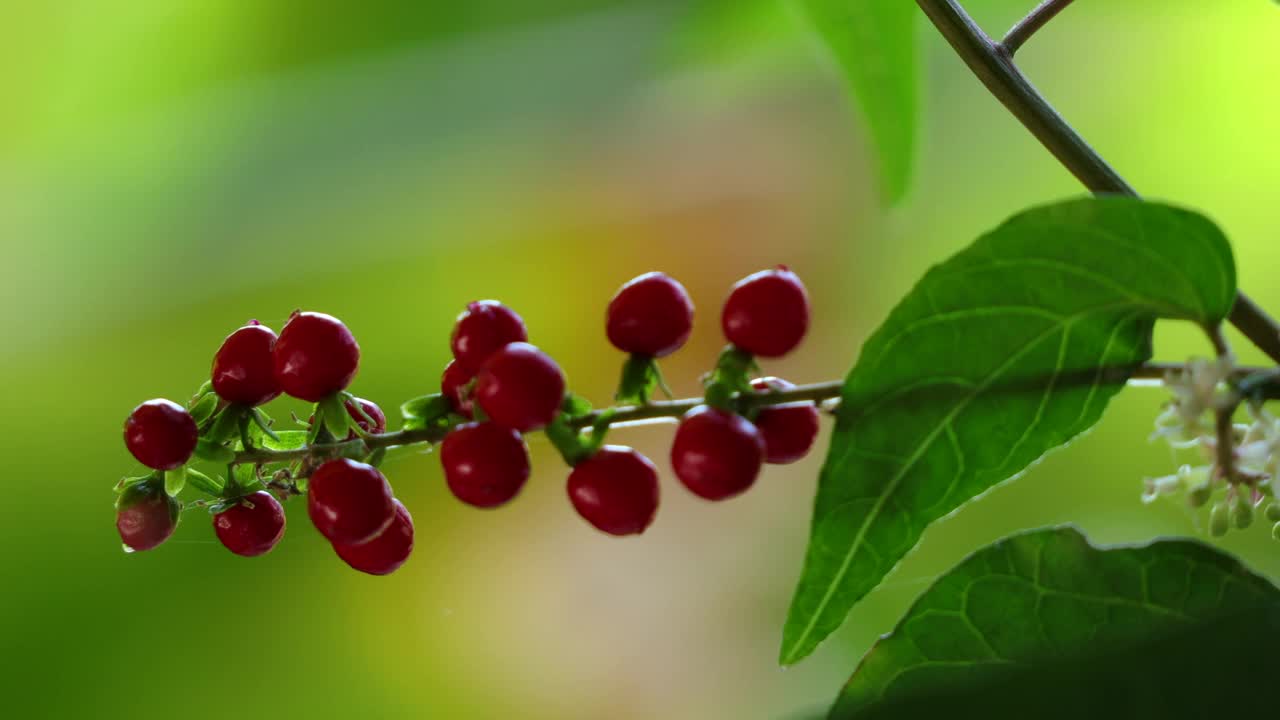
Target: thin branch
x=995 y=68
x=1029 y=25
x=1147 y=375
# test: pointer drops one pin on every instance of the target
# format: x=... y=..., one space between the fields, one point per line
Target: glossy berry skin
x=616 y=490
x=385 y=553
x=349 y=502
x=452 y=384
x=251 y=531
x=485 y=327
x=788 y=429
x=242 y=367
x=146 y=516
x=315 y=356
x=767 y=313
x=716 y=454
x=651 y=315
x=520 y=387
x=485 y=464
x=161 y=434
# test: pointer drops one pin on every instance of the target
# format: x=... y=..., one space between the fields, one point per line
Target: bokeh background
x=169 y=170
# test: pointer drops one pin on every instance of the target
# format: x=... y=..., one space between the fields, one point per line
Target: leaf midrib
x=925 y=444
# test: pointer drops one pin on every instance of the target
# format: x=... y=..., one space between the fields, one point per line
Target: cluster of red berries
x=314 y=358
x=497 y=388
x=717 y=453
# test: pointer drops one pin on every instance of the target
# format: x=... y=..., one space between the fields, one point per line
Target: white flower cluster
x=1200 y=392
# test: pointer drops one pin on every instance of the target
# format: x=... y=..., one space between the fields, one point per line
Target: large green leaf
x=1005 y=351
x=874 y=42
x=1033 y=603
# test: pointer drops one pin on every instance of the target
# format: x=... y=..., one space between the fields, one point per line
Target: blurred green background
x=169 y=170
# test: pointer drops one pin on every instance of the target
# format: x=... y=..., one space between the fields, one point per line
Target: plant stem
x=658 y=411
x=993 y=65
x=1028 y=26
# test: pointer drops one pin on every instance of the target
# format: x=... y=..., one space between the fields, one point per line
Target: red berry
x=349 y=502
x=242 y=368
x=385 y=553
x=252 y=526
x=651 y=315
x=485 y=464
x=520 y=387
x=483 y=329
x=716 y=454
x=161 y=434
x=767 y=313
x=453 y=383
x=316 y=356
x=146 y=516
x=788 y=429
x=616 y=490
x=373 y=411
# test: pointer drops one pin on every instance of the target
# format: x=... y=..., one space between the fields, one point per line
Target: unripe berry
x=716 y=454
x=651 y=315
x=349 y=502
x=788 y=429
x=485 y=327
x=616 y=490
x=520 y=387
x=242 y=367
x=767 y=313
x=161 y=434
x=453 y=383
x=252 y=526
x=315 y=356
x=385 y=553
x=146 y=516
x=485 y=464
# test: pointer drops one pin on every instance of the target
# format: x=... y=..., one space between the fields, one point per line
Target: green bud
x=175 y=480
x=1219 y=520
x=1198 y=496
x=1242 y=511
x=1273 y=512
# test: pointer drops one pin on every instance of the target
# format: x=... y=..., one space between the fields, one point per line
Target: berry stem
x=992 y=63
x=658 y=411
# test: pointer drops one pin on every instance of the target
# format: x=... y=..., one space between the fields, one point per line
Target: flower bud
x=1242 y=511
x=1219 y=520
x=1273 y=512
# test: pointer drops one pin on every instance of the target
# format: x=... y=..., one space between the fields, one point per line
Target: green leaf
x=333 y=413
x=874 y=43
x=213 y=452
x=1007 y=350
x=426 y=408
x=285 y=440
x=203 y=409
x=175 y=480
x=1044 y=597
x=204 y=483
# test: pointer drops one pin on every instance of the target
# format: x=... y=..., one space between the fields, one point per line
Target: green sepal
x=213 y=452
x=376 y=457
x=204 y=408
x=263 y=422
x=332 y=413
x=204 y=483
x=599 y=430
x=639 y=379
x=426 y=408
x=575 y=406
x=175 y=480
x=128 y=482
x=567 y=440
x=226 y=424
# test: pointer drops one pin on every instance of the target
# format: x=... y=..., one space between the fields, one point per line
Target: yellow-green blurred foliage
x=171 y=169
